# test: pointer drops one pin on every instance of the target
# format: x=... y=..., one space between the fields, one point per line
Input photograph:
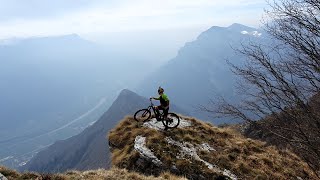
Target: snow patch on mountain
x=252 y=33
x=244 y=32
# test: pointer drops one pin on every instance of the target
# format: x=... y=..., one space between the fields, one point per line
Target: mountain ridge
x=89 y=149
x=197 y=69
x=15 y=40
x=51 y=81
x=199 y=150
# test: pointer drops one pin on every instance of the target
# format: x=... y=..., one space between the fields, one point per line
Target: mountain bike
x=143 y=115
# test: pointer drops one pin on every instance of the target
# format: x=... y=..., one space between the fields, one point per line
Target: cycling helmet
x=160 y=89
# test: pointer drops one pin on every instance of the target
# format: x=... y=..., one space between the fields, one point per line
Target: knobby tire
x=142 y=115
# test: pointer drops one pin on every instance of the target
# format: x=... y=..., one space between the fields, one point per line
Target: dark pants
x=165 y=111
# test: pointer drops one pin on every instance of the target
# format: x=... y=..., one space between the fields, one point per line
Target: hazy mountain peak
x=223 y=31
x=213 y=29
x=13 y=41
x=68 y=37
x=127 y=92
x=240 y=27
x=127 y=97
x=52 y=46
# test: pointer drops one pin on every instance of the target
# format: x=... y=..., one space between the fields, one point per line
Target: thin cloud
x=115 y=16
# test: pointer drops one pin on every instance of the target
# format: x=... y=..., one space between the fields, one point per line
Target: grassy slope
x=291 y=122
x=101 y=174
x=246 y=158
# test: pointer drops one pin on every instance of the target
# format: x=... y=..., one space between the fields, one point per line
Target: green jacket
x=164 y=100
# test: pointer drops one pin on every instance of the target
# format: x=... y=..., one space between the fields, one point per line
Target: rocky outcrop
x=2 y=177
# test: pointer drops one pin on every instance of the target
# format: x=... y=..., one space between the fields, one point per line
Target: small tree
x=281 y=82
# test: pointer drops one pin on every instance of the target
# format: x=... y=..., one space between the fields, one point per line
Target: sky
x=29 y=18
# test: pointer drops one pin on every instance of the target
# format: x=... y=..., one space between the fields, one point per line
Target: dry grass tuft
x=10 y=174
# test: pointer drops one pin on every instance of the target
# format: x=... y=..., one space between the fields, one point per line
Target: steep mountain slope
x=200 y=70
x=198 y=150
x=89 y=149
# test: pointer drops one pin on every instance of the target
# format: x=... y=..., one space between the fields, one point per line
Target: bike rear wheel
x=172 y=121
x=142 y=115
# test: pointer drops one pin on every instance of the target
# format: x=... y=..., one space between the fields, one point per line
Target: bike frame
x=147 y=112
x=154 y=111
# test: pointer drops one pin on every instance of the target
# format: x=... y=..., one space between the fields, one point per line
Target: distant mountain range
x=200 y=72
x=62 y=85
x=53 y=88
x=89 y=149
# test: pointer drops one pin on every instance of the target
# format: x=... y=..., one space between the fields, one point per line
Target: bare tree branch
x=282 y=82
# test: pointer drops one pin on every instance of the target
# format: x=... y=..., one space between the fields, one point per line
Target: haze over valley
x=73 y=76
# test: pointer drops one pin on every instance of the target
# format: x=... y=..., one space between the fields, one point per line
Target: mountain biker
x=164 y=102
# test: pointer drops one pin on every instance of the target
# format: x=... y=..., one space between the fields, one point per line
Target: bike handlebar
x=151 y=101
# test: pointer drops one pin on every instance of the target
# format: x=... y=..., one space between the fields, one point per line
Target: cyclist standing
x=164 y=102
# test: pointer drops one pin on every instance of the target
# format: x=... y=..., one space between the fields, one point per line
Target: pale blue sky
x=25 y=18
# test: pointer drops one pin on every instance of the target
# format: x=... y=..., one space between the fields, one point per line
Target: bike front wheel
x=142 y=115
x=172 y=121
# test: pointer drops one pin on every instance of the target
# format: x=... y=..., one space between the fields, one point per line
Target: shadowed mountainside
x=200 y=70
